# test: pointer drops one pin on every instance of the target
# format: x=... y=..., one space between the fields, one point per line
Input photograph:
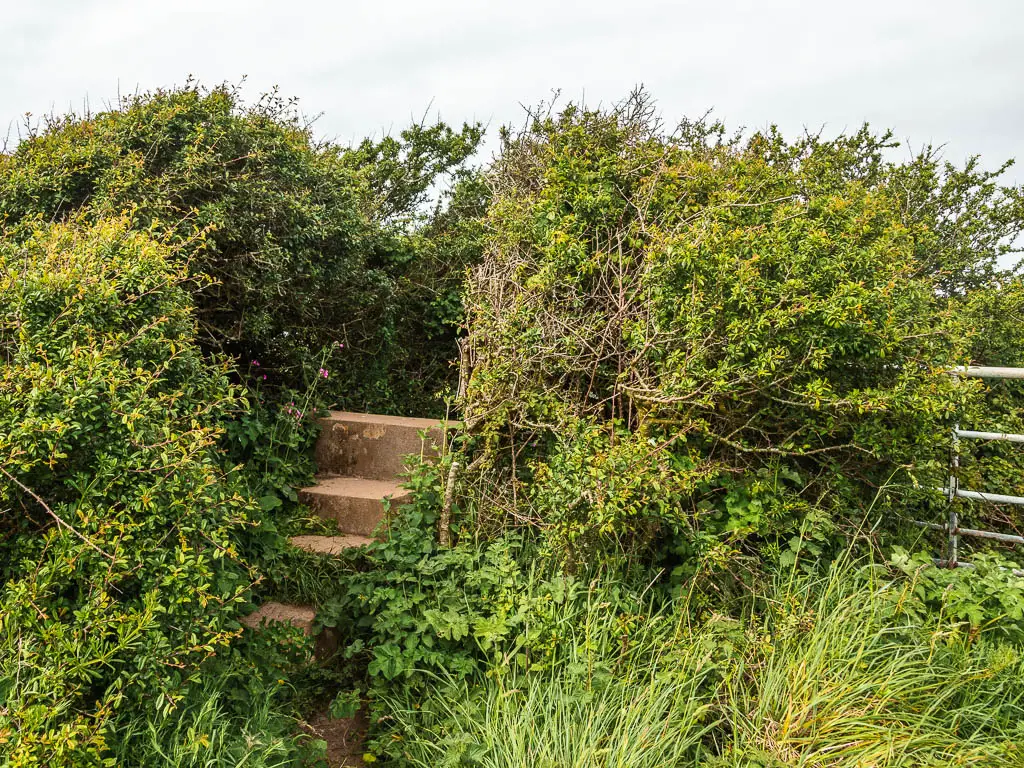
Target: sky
x=934 y=71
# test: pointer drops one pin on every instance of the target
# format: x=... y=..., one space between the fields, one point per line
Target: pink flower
x=341 y=345
x=256 y=363
x=323 y=372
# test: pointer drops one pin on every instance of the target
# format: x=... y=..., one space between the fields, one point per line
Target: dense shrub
x=118 y=531
x=308 y=243
x=695 y=362
x=693 y=342
x=431 y=292
x=214 y=278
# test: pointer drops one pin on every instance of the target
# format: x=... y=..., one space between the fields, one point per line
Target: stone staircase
x=360 y=457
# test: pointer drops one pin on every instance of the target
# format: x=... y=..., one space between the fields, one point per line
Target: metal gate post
x=954 y=486
x=954 y=492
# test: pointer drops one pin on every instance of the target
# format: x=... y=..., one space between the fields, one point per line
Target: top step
x=371 y=446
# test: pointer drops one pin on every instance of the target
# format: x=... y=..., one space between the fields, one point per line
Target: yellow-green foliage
x=307 y=241
x=118 y=557
x=721 y=339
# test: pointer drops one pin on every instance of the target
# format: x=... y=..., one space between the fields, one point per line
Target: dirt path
x=344 y=737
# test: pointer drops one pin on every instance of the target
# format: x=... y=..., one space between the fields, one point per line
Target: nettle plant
x=118 y=529
x=697 y=344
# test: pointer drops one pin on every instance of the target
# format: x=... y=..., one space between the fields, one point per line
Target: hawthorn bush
x=118 y=530
x=309 y=244
x=691 y=344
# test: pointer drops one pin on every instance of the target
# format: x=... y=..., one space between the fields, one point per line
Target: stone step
x=373 y=446
x=300 y=616
x=355 y=504
x=329 y=545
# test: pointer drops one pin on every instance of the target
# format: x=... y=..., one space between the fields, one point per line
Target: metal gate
x=953 y=490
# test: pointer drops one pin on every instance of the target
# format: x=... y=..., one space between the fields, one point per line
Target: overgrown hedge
x=685 y=344
x=687 y=353
x=309 y=244
x=184 y=280
x=118 y=530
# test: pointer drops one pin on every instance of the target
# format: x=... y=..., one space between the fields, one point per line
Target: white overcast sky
x=933 y=70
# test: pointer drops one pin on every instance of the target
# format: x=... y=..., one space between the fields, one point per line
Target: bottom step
x=300 y=616
x=329 y=545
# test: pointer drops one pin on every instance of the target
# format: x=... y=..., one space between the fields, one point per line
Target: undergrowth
x=244 y=712
x=836 y=670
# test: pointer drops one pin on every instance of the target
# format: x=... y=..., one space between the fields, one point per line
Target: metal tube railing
x=988 y=372
x=991 y=498
x=1005 y=537
x=972 y=435
x=953 y=490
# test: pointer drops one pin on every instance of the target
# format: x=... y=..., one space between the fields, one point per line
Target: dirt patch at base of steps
x=344 y=737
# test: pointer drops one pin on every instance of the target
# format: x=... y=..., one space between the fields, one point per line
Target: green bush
x=418 y=609
x=118 y=530
x=685 y=343
x=204 y=249
x=426 y=342
x=308 y=243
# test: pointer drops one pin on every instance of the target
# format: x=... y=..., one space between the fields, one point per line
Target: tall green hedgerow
x=119 y=572
x=686 y=342
x=309 y=243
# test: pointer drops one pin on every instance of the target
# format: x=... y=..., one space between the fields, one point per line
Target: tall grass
x=840 y=672
x=835 y=671
x=211 y=730
x=578 y=713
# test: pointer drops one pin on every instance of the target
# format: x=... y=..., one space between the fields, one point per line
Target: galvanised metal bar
x=991 y=498
x=1008 y=538
x=953 y=550
x=988 y=372
x=972 y=435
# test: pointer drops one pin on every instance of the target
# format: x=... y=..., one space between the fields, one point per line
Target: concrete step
x=373 y=446
x=301 y=616
x=329 y=545
x=356 y=504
